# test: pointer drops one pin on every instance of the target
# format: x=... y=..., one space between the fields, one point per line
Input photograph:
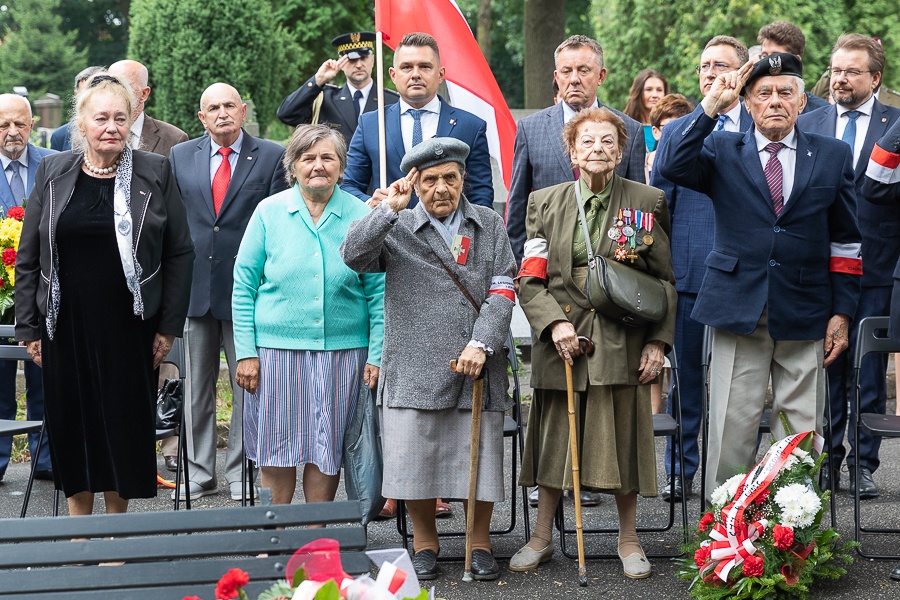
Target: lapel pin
x=809 y=152
x=884 y=119
x=453 y=121
x=143 y=193
x=343 y=97
x=249 y=158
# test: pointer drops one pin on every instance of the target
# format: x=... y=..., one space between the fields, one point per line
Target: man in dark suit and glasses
x=859 y=119
x=540 y=160
x=342 y=106
x=222 y=176
x=693 y=224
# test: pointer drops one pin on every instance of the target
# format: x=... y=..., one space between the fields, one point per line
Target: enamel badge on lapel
x=453 y=121
x=460 y=248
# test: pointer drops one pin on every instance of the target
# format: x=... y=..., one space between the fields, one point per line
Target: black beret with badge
x=435 y=151
x=355 y=45
x=778 y=63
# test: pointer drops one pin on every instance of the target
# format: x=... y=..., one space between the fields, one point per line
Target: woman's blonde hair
x=96 y=85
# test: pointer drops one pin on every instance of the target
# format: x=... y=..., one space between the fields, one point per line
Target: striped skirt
x=305 y=401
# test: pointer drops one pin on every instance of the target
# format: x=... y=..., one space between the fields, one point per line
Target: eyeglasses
x=850 y=73
x=715 y=68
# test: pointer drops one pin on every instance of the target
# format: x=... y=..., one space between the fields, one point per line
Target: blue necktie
x=417 y=125
x=357 y=96
x=16 y=185
x=722 y=120
x=850 y=130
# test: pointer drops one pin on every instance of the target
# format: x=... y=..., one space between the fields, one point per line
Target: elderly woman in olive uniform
x=629 y=222
x=429 y=255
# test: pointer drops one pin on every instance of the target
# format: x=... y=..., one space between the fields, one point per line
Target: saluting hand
x=725 y=90
x=329 y=70
x=400 y=192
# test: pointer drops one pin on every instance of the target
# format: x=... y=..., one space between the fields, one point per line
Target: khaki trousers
x=740 y=370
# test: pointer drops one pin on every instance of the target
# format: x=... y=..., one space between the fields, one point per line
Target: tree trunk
x=484 y=28
x=545 y=28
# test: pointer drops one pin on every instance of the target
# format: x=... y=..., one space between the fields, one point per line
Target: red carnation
x=783 y=536
x=706 y=521
x=753 y=566
x=2 y=283
x=701 y=556
x=763 y=496
x=16 y=212
x=9 y=257
x=230 y=583
x=191 y=598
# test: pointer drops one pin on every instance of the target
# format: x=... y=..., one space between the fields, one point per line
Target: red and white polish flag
x=469 y=79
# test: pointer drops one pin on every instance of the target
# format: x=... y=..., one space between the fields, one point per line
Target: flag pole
x=379 y=71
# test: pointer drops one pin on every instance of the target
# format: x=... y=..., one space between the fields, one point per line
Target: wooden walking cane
x=588 y=347
x=477 y=389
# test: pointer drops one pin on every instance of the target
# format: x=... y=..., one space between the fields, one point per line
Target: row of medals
x=626 y=232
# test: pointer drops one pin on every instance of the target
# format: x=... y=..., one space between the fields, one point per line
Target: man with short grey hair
x=540 y=159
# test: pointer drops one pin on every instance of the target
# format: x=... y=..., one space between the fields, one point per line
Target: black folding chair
x=514 y=429
x=765 y=424
x=872 y=338
x=175 y=357
x=664 y=425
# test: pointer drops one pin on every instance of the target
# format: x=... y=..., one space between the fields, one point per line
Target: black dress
x=98 y=369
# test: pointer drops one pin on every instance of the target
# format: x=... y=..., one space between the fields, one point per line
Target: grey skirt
x=426 y=454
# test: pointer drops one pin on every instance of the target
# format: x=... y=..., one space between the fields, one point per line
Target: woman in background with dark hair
x=648 y=88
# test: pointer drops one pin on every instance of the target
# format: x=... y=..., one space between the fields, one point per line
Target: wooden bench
x=167 y=554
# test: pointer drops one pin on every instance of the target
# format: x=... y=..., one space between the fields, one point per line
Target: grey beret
x=435 y=151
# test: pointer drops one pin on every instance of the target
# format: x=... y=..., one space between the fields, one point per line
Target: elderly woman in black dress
x=102 y=286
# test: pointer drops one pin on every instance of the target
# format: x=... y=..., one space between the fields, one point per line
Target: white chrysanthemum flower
x=725 y=492
x=799 y=505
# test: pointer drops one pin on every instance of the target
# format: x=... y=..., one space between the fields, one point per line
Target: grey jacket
x=427 y=319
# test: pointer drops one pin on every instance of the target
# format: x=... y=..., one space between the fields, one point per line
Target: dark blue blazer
x=760 y=260
x=35 y=156
x=363 y=161
x=693 y=221
x=258 y=175
x=60 y=139
x=880 y=225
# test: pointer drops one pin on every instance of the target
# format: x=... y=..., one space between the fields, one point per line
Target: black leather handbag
x=618 y=291
x=169 y=401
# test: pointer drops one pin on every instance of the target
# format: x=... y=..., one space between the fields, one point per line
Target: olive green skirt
x=615 y=440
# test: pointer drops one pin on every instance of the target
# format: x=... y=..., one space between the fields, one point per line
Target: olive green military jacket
x=550 y=224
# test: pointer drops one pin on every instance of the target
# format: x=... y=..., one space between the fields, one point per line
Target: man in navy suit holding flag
x=783 y=278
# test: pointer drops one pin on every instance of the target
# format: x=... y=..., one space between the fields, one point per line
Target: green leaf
x=423 y=595
x=329 y=591
x=299 y=577
x=278 y=589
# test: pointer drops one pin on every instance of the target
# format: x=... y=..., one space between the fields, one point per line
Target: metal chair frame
x=514 y=428
x=175 y=357
x=664 y=425
x=869 y=341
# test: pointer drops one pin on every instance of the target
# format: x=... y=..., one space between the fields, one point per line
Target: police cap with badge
x=778 y=63
x=355 y=45
x=435 y=151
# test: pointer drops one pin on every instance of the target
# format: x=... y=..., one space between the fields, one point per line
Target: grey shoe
x=196 y=491
x=635 y=565
x=527 y=559
x=235 y=489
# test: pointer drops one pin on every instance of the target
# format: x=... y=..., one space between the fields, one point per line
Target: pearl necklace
x=97 y=170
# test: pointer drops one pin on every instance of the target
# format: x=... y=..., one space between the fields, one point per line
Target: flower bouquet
x=763 y=537
x=314 y=572
x=10 y=232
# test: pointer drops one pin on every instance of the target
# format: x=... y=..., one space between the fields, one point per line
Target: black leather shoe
x=425 y=565
x=484 y=566
x=867 y=488
x=533 y=498
x=589 y=498
x=171 y=463
x=895 y=574
x=682 y=487
x=44 y=474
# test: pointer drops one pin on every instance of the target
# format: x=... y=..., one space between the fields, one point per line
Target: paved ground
x=558 y=578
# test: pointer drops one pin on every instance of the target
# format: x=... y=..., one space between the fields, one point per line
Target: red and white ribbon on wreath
x=733 y=542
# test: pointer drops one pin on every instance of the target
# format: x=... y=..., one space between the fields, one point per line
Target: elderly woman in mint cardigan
x=307 y=329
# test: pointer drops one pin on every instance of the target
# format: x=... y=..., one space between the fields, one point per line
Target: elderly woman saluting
x=448 y=295
x=103 y=283
x=307 y=329
x=616 y=448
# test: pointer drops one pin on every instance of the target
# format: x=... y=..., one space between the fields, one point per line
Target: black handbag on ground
x=618 y=291
x=169 y=401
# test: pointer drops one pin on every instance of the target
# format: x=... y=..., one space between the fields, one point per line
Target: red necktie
x=221 y=180
x=775 y=176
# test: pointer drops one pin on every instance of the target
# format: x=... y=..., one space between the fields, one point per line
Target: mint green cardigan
x=291 y=288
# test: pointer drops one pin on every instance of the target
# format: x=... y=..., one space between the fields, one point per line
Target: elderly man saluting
x=784 y=271
x=448 y=294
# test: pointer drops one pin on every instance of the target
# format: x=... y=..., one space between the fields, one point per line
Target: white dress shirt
x=137 y=128
x=366 y=90
x=787 y=156
x=733 y=122
x=569 y=112
x=429 y=118
x=215 y=159
x=862 y=125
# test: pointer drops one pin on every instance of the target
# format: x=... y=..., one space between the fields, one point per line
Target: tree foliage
x=34 y=52
x=190 y=44
x=101 y=26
